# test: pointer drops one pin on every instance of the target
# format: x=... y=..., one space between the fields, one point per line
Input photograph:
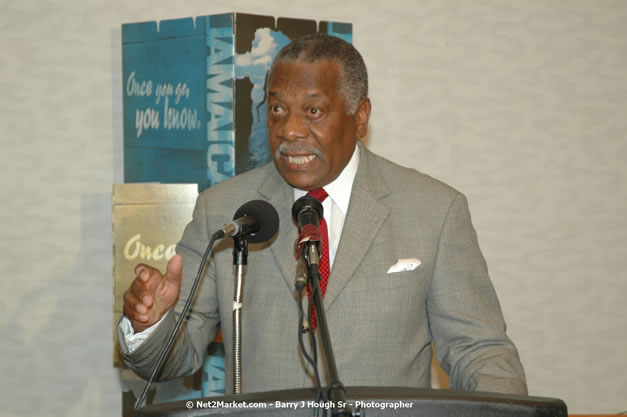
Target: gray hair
x=320 y=47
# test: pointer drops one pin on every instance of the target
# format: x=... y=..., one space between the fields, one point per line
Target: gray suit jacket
x=381 y=324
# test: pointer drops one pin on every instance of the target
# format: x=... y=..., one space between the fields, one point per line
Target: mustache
x=297 y=148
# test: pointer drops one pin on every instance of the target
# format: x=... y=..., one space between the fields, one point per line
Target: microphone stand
x=240 y=261
x=335 y=391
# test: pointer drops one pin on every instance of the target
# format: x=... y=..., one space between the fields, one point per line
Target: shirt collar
x=340 y=189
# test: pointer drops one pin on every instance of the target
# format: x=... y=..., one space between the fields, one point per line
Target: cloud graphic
x=257 y=61
x=263 y=50
x=264 y=60
x=265 y=43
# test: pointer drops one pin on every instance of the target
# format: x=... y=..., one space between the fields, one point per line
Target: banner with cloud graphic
x=194 y=94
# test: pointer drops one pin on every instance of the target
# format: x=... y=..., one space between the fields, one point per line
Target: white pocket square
x=408 y=264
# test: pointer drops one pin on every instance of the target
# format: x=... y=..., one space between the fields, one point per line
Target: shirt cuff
x=131 y=340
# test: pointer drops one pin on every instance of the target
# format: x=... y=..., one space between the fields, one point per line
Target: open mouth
x=300 y=160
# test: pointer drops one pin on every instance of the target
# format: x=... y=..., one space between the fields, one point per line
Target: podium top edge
x=381 y=394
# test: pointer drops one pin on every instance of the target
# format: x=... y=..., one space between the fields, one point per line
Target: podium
x=372 y=402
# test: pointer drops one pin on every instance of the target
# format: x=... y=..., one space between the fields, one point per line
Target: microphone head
x=306 y=205
x=266 y=217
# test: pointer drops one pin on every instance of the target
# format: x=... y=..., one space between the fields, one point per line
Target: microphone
x=307 y=212
x=256 y=219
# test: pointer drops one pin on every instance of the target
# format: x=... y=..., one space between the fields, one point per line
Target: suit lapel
x=365 y=216
x=281 y=196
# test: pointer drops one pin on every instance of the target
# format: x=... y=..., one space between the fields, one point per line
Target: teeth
x=300 y=160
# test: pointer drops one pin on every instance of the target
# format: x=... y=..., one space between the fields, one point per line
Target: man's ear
x=362 y=115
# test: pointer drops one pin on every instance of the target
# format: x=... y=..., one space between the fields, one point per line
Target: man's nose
x=293 y=127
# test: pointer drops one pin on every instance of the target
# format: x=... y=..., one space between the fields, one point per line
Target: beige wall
x=520 y=104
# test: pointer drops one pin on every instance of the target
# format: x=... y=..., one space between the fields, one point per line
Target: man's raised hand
x=152 y=294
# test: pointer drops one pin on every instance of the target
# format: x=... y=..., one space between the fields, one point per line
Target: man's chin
x=300 y=181
x=305 y=179
x=303 y=185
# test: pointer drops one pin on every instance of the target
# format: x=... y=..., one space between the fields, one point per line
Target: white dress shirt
x=335 y=208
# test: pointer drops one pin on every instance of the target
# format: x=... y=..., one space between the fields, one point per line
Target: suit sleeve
x=188 y=352
x=465 y=317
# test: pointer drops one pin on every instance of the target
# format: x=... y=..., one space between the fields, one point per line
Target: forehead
x=304 y=79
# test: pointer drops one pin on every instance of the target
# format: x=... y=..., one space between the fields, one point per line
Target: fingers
x=134 y=309
x=143 y=272
x=174 y=271
x=152 y=294
x=141 y=296
x=149 y=280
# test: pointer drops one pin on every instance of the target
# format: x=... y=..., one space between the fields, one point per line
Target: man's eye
x=276 y=109
x=315 y=112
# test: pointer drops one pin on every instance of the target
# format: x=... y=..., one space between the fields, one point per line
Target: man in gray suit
x=406 y=269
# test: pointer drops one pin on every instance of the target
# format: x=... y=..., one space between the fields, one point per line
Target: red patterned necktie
x=324 y=267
